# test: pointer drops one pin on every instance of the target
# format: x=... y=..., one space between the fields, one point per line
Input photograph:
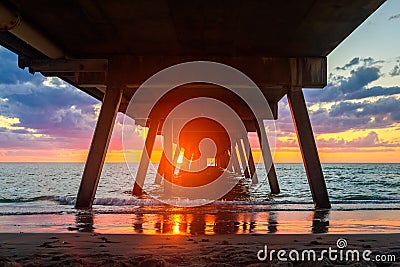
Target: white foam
x=132 y=201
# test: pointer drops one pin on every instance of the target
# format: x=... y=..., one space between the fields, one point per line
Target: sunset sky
x=356 y=117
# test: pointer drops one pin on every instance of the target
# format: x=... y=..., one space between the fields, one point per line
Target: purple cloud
x=62 y=115
x=352 y=108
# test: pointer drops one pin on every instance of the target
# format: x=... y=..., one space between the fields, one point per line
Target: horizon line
x=120 y=162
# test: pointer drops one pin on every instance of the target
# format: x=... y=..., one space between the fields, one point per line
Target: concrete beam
x=11 y=21
x=63 y=65
x=264 y=71
x=308 y=148
x=98 y=148
x=91 y=79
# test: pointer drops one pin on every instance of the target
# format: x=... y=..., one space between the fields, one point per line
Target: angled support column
x=235 y=161
x=252 y=167
x=145 y=159
x=186 y=159
x=230 y=162
x=169 y=168
x=266 y=153
x=160 y=169
x=243 y=158
x=98 y=148
x=163 y=163
x=308 y=148
x=176 y=154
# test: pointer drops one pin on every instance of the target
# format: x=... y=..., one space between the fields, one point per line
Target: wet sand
x=90 y=249
x=178 y=238
x=186 y=222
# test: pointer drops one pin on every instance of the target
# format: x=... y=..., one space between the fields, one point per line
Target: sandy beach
x=88 y=249
x=194 y=239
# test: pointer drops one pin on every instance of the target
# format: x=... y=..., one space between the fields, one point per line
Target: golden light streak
x=176 y=223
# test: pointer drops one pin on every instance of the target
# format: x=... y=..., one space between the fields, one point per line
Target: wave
x=129 y=204
x=21 y=200
x=131 y=201
x=117 y=205
x=116 y=201
x=376 y=198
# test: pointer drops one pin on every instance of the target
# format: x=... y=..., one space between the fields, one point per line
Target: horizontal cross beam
x=63 y=65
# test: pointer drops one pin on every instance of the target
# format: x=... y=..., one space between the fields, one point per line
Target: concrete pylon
x=98 y=149
x=235 y=161
x=145 y=159
x=243 y=159
x=308 y=148
x=169 y=168
x=266 y=153
x=186 y=159
x=160 y=169
x=252 y=167
x=162 y=165
x=176 y=154
x=230 y=164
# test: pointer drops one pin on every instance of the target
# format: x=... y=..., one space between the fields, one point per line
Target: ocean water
x=30 y=188
x=49 y=190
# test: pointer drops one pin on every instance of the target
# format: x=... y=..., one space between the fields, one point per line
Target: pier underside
x=109 y=48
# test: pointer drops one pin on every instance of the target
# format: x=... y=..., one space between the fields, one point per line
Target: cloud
x=344 y=116
x=370 y=140
x=395 y=71
x=51 y=111
x=357 y=61
x=45 y=113
x=397 y=16
x=36 y=111
x=14 y=75
x=8 y=123
x=354 y=61
x=345 y=88
x=359 y=79
x=348 y=102
x=385 y=109
x=374 y=91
